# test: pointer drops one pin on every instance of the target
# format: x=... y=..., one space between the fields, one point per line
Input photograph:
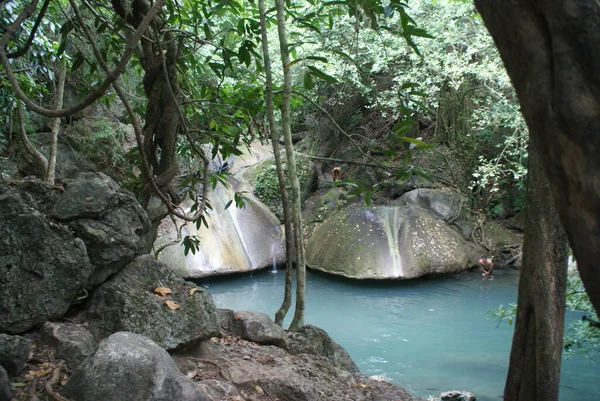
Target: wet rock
x=445 y=204
x=108 y=219
x=457 y=396
x=15 y=351
x=43 y=266
x=72 y=343
x=127 y=302
x=128 y=367
x=257 y=327
x=383 y=242
x=314 y=340
x=5 y=388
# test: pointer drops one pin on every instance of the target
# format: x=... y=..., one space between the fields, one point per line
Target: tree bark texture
x=298 y=320
x=551 y=50
x=289 y=244
x=60 y=91
x=535 y=357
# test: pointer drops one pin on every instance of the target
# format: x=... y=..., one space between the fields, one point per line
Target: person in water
x=487 y=267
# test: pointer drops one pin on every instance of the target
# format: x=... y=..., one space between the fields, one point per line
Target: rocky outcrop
x=15 y=351
x=5 y=388
x=176 y=315
x=314 y=340
x=128 y=367
x=43 y=266
x=108 y=219
x=236 y=240
x=387 y=242
x=257 y=327
x=72 y=343
x=443 y=203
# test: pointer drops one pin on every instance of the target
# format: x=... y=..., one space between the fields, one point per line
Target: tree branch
x=96 y=92
x=38 y=21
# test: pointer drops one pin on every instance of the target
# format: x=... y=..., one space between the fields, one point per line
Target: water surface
x=427 y=335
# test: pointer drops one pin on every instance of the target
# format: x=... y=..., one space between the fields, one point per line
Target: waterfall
x=274 y=251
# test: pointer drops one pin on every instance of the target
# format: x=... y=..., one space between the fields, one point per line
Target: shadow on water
x=427 y=335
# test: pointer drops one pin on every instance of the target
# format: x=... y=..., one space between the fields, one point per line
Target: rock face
x=108 y=219
x=444 y=204
x=127 y=302
x=257 y=327
x=236 y=240
x=128 y=367
x=5 y=389
x=42 y=265
x=72 y=342
x=314 y=340
x=387 y=242
x=14 y=353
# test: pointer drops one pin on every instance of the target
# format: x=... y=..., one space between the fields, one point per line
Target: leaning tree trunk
x=293 y=175
x=551 y=50
x=535 y=357
x=162 y=119
x=289 y=237
x=60 y=91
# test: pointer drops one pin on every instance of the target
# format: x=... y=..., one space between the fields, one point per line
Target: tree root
x=53 y=381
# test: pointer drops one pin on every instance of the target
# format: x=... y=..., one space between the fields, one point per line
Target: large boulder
x=43 y=266
x=314 y=340
x=387 y=242
x=257 y=327
x=5 y=388
x=175 y=314
x=107 y=218
x=72 y=342
x=443 y=203
x=236 y=240
x=15 y=351
x=130 y=367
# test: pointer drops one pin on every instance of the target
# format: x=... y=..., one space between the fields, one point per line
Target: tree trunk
x=551 y=50
x=289 y=245
x=162 y=119
x=31 y=152
x=298 y=320
x=60 y=90
x=535 y=357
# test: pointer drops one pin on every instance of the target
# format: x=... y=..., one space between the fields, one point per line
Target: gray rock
x=445 y=204
x=257 y=327
x=15 y=351
x=226 y=320
x=314 y=340
x=127 y=302
x=73 y=343
x=5 y=388
x=457 y=396
x=43 y=266
x=130 y=367
x=385 y=242
x=108 y=219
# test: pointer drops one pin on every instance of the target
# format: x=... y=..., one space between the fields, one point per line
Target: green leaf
x=228 y=204
x=308 y=81
x=79 y=59
x=322 y=75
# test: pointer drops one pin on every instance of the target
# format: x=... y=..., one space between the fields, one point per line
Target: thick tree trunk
x=289 y=245
x=535 y=357
x=60 y=90
x=298 y=320
x=551 y=50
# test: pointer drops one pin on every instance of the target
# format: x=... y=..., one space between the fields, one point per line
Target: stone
x=43 y=266
x=72 y=343
x=443 y=203
x=257 y=327
x=15 y=351
x=129 y=367
x=382 y=242
x=107 y=218
x=236 y=240
x=127 y=302
x=314 y=340
x=457 y=396
x=5 y=388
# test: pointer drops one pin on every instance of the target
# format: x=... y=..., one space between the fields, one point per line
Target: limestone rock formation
x=128 y=302
x=387 y=242
x=43 y=266
x=128 y=367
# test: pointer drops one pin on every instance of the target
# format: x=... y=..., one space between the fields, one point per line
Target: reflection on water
x=427 y=335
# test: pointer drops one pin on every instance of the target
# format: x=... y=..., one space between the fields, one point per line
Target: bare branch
x=38 y=21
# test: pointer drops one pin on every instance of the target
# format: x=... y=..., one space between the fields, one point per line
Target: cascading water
x=274 y=251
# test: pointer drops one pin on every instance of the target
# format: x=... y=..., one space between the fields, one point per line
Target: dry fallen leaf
x=362 y=385
x=193 y=291
x=162 y=290
x=237 y=316
x=172 y=305
x=258 y=389
x=42 y=372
